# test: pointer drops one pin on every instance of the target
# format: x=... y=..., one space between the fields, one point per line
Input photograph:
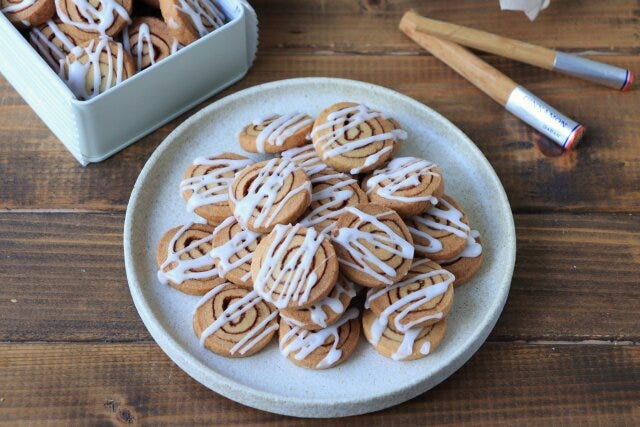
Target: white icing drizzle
x=450 y=214
x=405 y=348
x=306 y=342
x=175 y=46
x=333 y=302
x=404 y=173
x=336 y=194
x=353 y=117
x=232 y=312
x=99 y=18
x=182 y=269
x=295 y=277
x=219 y=191
x=350 y=239
x=240 y=241
x=49 y=50
x=410 y=302
x=77 y=71
x=17 y=7
x=203 y=13
x=144 y=36
x=306 y=158
x=283 y=127
x=473 y=249
x=265 y=188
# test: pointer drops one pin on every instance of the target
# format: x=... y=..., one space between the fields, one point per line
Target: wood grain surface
x=73 y=350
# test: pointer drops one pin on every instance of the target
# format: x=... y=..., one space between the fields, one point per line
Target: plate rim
x=294 y=406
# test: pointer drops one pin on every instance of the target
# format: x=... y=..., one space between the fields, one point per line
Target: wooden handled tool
x=515 y=98
x=605 y=74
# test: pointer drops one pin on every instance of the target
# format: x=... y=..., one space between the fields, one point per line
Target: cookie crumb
x=13 y=300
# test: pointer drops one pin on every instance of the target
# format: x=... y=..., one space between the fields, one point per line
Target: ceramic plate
x=367 y=381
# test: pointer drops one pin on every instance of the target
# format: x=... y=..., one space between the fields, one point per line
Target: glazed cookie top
x=205 y=185
x=373 y=245
x=324 y=348
x=441 y=232
x=234 y=321
x=54 y=42
x=94 y=18
x=294 y=267
x=28 y=13
x=275 y=133
x=233 y=252
x=148 y=40
x=267 y=193
x=424 y=297
x=408 y=185
x=188 y=20
x=96 y=66
x=306 y=158
x=183 y=259
x=351 y=137
x=331 y=193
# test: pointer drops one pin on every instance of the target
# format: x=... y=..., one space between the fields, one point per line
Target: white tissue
x=530 y=7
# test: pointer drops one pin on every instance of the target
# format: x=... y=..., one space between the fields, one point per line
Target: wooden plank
x=576 y=279
x=368 y=26
x=602 y=174
x=135 y=383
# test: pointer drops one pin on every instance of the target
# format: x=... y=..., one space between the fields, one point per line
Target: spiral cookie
x=352 y=138
x=324 y=348
x=94 y=18
x=275 y=133
x=96 y=66
x=205 y=185
x=189 y=20
x=306 y=158
x=272 y=192
x=413 y=344
x=183 y=259
x=233 y=252
x=325 y=312
x=54 y=42
x=234 y=322
x=423 y=298
x=468 y=262
x=148 y=40
x=441 y=232
x=294 y=267
x=407 y=185
x=28 y=13
x=331 y=192
x=373 y=244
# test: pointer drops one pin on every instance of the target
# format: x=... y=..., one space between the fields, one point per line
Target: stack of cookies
x=95 y=45
x=289 y=242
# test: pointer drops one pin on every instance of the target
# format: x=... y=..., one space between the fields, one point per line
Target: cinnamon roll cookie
x=275 y=133
x=54 y=42
x=441 y=232
x=148 y=40
x=96 y=66
x=267 y=193
x=294 y=267
x=205 y=185
x=90 y=19
x=234 y=322
x=413 y=344
x=233 y=252
x=306 y=157
x=407 y=185
x=28 y=13
x=468 y=262
x=373 y=245
x=324 y=348
x=351 y=137
x=331 y=193
x=422 y=298
x=188 y=20
x=325 y=312
x=183 y=259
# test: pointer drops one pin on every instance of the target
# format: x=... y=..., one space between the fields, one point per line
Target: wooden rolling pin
x=515 y=98
x=598 y=72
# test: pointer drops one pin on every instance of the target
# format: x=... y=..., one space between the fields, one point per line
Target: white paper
x=530 y=7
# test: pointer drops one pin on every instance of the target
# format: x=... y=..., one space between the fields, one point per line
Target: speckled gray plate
x=367 y=381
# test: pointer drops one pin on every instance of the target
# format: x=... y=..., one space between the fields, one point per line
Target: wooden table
x=75 y=352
